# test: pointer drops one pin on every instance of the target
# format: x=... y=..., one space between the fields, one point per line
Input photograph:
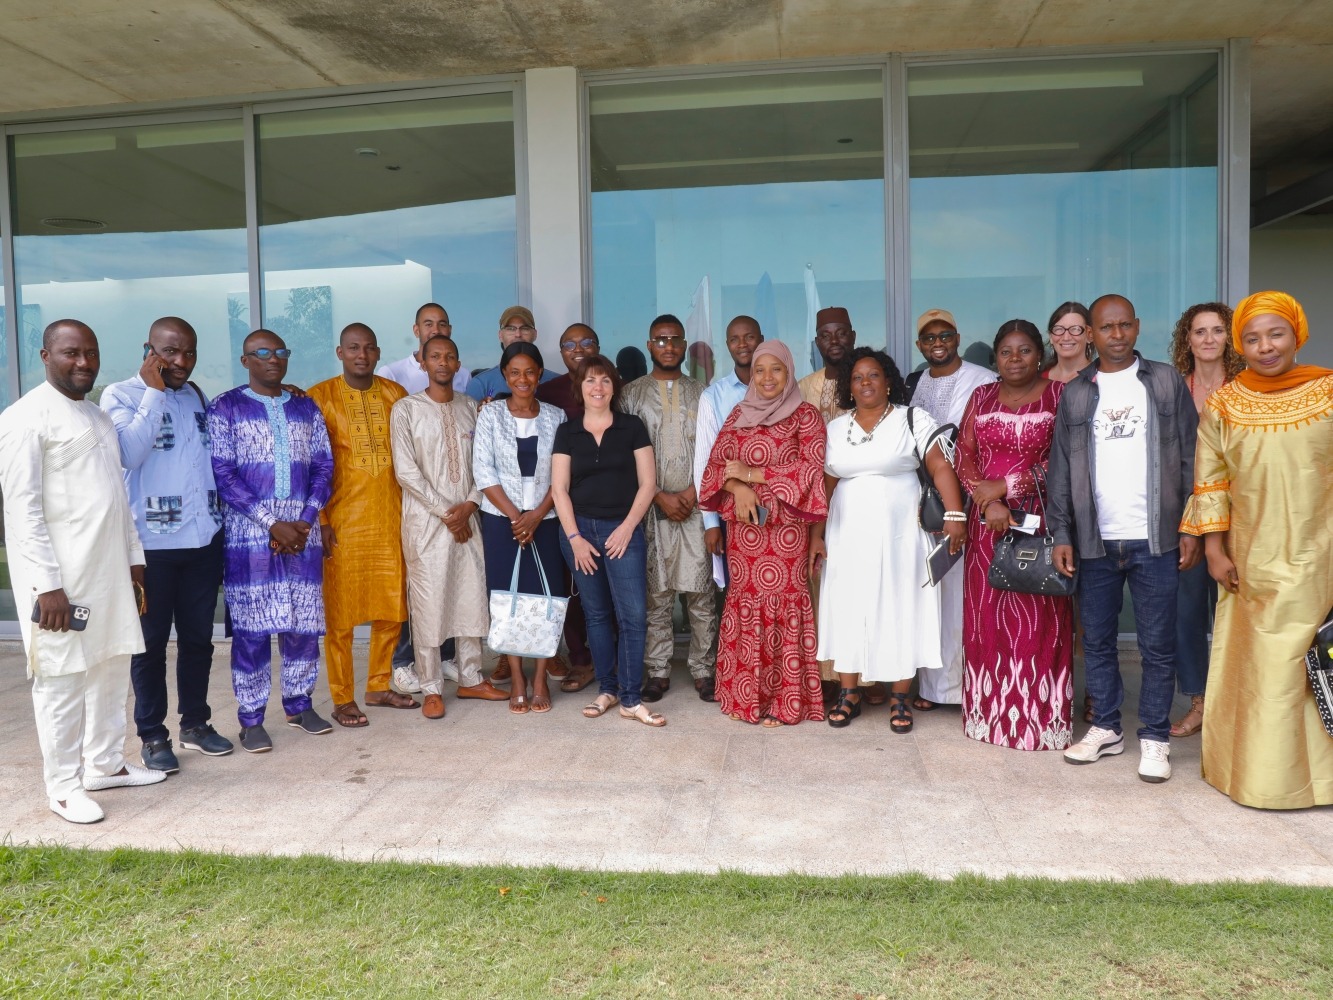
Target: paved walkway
x=705 y=793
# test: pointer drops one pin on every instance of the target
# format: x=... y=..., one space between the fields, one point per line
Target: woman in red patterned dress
x=768 y=456
x=1018 y=649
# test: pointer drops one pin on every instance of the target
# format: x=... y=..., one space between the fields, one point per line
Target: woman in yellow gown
x=1263 y=500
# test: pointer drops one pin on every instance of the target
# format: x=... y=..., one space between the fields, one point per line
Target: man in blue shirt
x=516 y=323
x=164 y=448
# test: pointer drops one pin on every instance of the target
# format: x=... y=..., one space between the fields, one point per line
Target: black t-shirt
x=603 y=480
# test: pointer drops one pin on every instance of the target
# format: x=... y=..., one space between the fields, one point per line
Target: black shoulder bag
x=1025 y=563
x=930 y=512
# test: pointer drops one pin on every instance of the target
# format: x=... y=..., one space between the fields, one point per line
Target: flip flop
x=541 y=705
x=519 y=705
x=349 y=715
x=925 y=704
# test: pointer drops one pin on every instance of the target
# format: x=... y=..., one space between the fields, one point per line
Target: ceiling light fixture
x=74 y=225
x=367 y=151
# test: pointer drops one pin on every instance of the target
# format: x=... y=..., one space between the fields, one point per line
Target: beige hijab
x=757 y=412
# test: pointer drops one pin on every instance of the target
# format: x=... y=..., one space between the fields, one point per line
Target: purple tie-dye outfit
x=272 y=462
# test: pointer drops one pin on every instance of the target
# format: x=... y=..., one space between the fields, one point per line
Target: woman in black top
x=603 y=480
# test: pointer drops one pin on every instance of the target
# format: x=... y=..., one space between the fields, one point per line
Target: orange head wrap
x=1277 y=303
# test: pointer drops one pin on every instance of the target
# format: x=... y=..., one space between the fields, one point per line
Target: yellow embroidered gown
x=1264 y=474
x=364 y=579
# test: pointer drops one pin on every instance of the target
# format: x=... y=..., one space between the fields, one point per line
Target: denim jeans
x=182 y=587
x=1152 y=583
x=1195 y=604
x=615 y=599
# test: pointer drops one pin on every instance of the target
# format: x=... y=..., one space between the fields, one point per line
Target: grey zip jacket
x=1172 y=427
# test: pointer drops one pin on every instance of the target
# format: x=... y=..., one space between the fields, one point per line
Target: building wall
x=1296 y=256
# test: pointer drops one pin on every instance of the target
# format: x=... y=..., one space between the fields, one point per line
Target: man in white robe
x=942 y=390
x=74 y=560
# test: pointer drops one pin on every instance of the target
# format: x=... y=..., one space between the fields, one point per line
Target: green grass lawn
x=136 y=924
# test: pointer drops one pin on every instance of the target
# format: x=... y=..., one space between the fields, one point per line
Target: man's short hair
x=429 y=305
x=665 y=319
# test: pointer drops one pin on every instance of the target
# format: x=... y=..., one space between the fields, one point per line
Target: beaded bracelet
x=954 y=515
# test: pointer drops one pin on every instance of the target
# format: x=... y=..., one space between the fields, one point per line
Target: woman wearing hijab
x=1263 y=476
x=765 y=477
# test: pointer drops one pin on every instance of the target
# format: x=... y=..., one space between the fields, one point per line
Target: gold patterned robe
x=677 y=559
x=446 y=580
x=364 y=578
x=1264 y=475
x=821 y=392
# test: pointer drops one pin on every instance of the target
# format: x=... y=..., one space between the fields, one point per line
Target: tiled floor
x=705 y=793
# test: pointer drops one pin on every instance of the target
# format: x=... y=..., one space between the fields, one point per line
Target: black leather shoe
x=655 y=688
x=157 y=756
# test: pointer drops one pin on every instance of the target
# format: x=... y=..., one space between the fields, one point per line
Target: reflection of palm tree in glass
x=306 y=324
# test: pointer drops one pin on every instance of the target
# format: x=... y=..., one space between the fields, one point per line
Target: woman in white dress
x=877 y=617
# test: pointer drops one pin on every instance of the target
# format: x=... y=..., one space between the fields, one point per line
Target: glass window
x=7 y=612
x=760 y=195
x=1041 y=181
x=119 y=226
x=368 y=212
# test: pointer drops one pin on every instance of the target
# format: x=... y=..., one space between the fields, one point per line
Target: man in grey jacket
x=1121 y=471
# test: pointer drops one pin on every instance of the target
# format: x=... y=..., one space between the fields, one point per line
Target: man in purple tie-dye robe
x=274 y=471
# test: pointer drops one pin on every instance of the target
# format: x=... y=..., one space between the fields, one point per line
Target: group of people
x=784 y=514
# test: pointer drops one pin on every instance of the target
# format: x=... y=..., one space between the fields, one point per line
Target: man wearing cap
x=834 y=339
x=516 y=323
x=942 y=390
x=431 y=321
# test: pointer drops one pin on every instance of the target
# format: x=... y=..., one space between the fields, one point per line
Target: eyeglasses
x=519 y=329
x=1125 y=325
x=587 y=343
x=1068 y=331
x=264 y=353
x=667 y=341
x=933 y=338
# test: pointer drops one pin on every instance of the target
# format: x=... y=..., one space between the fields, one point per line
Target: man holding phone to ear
x=77 y=569
x=160 y=422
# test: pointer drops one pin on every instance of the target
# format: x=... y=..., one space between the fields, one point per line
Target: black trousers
x=182 y=587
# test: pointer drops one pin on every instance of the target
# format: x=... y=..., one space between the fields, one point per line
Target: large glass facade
x=1043 y=180
x=368 y=212
x=119 y=226
x=759 y=195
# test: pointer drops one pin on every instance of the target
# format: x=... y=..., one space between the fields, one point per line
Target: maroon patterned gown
x=766 y=662
x=1017 y=648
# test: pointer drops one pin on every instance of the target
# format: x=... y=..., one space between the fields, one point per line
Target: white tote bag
x=526 y=624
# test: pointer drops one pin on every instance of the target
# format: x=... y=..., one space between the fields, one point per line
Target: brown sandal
x=349 y=715
x=578 y=679
x=390 y=699
x=1088 y=713
x=1192 y=721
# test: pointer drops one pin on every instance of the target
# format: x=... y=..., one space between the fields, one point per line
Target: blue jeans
x=1195 y=604
x=1152 y=583
x=615 y=598
x=182 y=587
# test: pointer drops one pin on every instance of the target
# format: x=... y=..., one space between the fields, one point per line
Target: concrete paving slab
x=485 y=787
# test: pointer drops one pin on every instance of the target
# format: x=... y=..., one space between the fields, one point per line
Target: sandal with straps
x=845 y=709
x=901 y=720
x=641 y=713
x=1192 y=721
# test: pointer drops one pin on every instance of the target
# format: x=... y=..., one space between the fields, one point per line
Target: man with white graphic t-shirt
x=1121 y=472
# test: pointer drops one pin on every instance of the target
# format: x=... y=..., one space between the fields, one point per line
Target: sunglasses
x=667 y=341
x=264 y=353
x=935 y=338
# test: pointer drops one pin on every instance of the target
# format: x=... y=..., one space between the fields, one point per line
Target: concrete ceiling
x=90 y=53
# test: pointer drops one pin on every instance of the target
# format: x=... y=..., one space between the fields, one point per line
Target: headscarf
x=1282 y=305
x=757 y=412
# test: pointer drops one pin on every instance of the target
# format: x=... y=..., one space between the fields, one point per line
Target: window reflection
x=118 y=226
x=761 y=195
x=1041 y=181
x=368 y=212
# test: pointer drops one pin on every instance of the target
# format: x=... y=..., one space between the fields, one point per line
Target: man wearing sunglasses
x=942 y=390
x=516 y=323
x=579 y=341
x=274 y=471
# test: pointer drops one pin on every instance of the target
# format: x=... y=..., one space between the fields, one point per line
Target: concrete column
x=554 y=150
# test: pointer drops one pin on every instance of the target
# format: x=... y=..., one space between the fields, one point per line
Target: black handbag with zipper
x=1025 y=563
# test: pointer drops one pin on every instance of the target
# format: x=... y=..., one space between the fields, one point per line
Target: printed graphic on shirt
x=166 y=435
x=215 y=507
x=1116 y=423
x=201 y=421
x=162 y=514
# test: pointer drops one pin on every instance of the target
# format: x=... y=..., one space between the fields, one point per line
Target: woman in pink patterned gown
x=769 y=454
x=1018 y=649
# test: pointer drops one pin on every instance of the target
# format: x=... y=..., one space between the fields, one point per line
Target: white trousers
x=81 y=724
x=945 y=686
x=467 y=655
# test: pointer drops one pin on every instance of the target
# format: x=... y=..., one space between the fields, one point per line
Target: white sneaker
x=134 y=775
x=450 y=669
x=78 y=808
x=404 y=680
x=1097 y=742
x=1155 y=762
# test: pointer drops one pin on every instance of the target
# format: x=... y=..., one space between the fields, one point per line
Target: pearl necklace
x=866 y=437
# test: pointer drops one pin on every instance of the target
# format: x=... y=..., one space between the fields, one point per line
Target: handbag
x=1319 y=668
x=526 y=624
x=930 y=511
x=1025 y=563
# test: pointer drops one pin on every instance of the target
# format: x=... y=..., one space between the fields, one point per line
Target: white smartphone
x=1029 y=524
